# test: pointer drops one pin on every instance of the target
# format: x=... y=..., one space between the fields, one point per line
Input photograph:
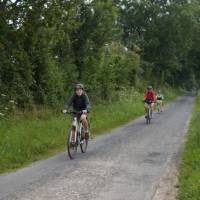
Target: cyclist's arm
x=68 y=103
x=88 y=105
x=145 y=96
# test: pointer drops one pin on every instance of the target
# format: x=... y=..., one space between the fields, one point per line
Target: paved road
x=125 y=164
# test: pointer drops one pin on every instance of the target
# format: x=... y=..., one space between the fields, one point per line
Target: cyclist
x=149 y=99
x=80 y=103
x=160 y=98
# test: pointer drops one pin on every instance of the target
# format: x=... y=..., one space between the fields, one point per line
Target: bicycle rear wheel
x=72 y=143
x=84 y=142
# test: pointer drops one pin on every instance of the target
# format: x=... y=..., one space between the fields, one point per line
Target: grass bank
x=189 y=178
x=33 y=136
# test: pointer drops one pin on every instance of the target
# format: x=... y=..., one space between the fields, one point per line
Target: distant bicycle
x=159 y=106
x=76 y=136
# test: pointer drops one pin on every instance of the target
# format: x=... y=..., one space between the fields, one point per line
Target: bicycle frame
x=77 y=127
x=149 y=108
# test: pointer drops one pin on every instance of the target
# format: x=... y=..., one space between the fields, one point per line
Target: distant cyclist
x=149 y=99
x=160 y=98
x=80 y=103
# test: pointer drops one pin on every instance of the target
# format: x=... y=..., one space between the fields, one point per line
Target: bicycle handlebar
x=74 y=112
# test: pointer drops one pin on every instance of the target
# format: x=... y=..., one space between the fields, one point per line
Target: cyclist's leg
x=161 y=106
x=146 y=106
x=84 y=121
x=158 y=106
x=151 y=106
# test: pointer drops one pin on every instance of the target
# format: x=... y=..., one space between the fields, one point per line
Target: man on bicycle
x=81 y=104
x=160 y=98
x=149 y=99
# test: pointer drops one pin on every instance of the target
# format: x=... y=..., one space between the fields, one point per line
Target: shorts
x=148 y=101
x=79 y=116
x=159 y=101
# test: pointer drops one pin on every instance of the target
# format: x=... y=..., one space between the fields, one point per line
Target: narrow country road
x=125 y=164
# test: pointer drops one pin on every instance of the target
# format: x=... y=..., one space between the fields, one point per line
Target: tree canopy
x=47 y=45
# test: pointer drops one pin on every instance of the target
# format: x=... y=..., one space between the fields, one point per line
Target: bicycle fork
x=73 y=136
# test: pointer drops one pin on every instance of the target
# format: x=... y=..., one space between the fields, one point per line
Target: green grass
x=189 y=179
x=37 y=135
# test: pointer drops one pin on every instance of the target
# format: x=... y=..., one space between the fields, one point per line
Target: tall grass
x=32 y=136
x=189 y=179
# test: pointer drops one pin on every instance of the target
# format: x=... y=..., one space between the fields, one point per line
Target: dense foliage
x=47 y=45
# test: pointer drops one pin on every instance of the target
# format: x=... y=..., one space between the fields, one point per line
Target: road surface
x=125 y=164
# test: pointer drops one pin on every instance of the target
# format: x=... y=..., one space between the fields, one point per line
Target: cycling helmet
x=79 y=86
x=149 y=87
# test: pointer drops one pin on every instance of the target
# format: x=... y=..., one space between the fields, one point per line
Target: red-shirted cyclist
x=149 y=99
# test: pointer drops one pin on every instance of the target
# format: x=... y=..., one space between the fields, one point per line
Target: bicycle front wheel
x=72 y=143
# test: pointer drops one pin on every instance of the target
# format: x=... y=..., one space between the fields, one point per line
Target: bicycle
x=76 y=136
x=159 y=106
x=149 y=113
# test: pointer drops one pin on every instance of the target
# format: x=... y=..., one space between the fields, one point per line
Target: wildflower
x=12 y=101
x=6 y=108
x=3 y=95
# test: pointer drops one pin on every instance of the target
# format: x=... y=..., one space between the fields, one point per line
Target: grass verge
x=32 y=137
x=189 y=178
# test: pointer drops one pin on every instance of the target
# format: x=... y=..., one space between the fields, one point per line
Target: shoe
x=82 y=136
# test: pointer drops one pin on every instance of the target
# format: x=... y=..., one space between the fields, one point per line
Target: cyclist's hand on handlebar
x=84 y=111
x=64 y=111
